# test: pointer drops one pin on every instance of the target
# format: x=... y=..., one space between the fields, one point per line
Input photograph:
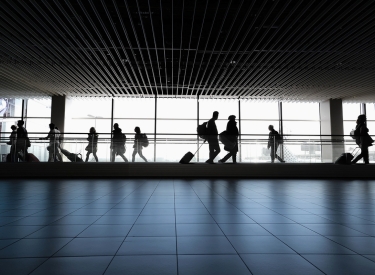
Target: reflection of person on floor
x=138 y=139
x=21 y=147
x=92 y=147
x=273 y=143
x=118 y=143
x=232 y=135
x=212 y=138
x=54 y=144
x=12 y=143
x=363 y=139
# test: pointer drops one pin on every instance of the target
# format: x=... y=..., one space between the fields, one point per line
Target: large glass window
x=350 y=112
x=256 y=116
x=132 y=112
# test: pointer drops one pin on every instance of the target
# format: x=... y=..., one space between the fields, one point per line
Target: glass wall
x=130 y=113
x=350 y=112
x=255 y=119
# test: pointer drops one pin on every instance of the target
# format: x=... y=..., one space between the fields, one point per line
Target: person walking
x=274 y=140
x=212 y=138
x=118 y=143
x=232 y=135
x=138 y=144
x=363 y=139
x=12 y=142
x=54 y=144
x=21 y=142
x=92 y=147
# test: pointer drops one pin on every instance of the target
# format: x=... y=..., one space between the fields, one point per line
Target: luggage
x=346 y=158
x=71 y=156
x=228 y=145
x=202 y=130
x=32 y=158
x=189 y=156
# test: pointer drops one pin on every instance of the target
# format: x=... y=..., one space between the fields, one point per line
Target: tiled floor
x=187 y=227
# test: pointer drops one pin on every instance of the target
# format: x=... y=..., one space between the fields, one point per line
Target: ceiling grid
x=272 y=50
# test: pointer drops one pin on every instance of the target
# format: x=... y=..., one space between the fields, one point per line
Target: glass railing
x=172 y=147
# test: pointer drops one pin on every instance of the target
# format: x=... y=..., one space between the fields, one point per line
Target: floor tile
x=155 y=219
x=116 y=220
x=74 y=265
x=21 y=266
x=232 y=219
x=342 y=264
x=148 y=246
x=204 y=245
x=270 y=219
x=153 y=230
x=211 y=264
x=143 y=265
x=5 y=243
x=243 y=229
x=28 y=248
x=288 y=229
x=314 y=244
x=258 y=244
x=307 y=219
x=99 y=230
x=364 y=228
x=360 y=245
x=17 y=232
x=67 y=220
x=58 y=231
x=333 y=230
x=279 y=264
x=198 y=229
x=194 y=219
x=91 y=247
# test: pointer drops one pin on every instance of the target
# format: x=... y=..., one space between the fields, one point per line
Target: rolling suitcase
x=32 y=158
x=346 y=158
x=189 y=156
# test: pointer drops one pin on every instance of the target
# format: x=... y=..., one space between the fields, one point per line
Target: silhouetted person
x=12 y=142
x=273 y=143
x=92 y=147
x=138 y=140
x=118 y=143
x=22 y=136
x=54 y=144
x=232 y=135
x=212 y=138
x=363 y=139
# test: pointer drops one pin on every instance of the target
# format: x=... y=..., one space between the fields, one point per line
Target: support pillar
x=331 y=123
x=58 y=112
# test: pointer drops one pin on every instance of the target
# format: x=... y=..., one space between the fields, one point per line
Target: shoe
x=282 y=161
x=220 y=161
x=210 y=161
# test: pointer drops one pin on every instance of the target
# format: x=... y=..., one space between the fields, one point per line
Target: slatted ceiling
x=255 y=50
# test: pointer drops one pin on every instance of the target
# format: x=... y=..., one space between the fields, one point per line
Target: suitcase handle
x=199 y=147
x=354 y=151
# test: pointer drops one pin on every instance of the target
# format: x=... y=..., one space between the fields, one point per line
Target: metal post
x=281 y=130
x=112 y=112
x=23 y=109
x=155 y=117
x=197 y=127
x=239 y=129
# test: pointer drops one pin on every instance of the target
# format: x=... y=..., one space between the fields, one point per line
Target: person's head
x=215 y=115
x=232 y=118
x=20 y=123
x=115 y=125
x=92 y=130
x=361 y=119
x=270 y=127
x=52 y=126
x=13 y=127
x=137 y=130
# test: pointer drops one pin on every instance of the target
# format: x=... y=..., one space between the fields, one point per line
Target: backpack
x=123 y=139
x=202 y=130
x=278 y=137
x=353 y=134
x=144 y=140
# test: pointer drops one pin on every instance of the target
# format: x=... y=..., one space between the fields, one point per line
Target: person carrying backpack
x=118 y=143
x=274 y=140
x=363 y=139
x=140 y=141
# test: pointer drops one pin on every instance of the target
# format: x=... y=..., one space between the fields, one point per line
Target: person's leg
x=217 y=150
x=365 y=155
x=95 y=156
x=234 y=157
x=123 y=157
x=141 y=155
x=227 y=156
x=133 y=155
x=113 y=155
x=87 y=156
x=272 y=154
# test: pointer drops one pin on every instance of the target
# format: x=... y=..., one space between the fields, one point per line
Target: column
x=331 y=123
x=58 y=112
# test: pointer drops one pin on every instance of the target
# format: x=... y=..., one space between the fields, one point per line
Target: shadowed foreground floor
x=173 y=226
